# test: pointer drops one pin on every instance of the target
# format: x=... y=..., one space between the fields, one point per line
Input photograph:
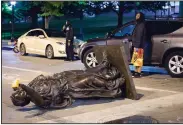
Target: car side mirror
x=108 y=34
x=41 y=36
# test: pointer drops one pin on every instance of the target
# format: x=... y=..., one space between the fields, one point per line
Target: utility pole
x=13 y=15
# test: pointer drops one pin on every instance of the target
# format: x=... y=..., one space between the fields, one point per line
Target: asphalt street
x=161 y=95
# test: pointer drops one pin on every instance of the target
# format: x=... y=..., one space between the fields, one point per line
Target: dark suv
x=164 y=45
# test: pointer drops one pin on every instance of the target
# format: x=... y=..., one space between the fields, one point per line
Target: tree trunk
x=135 y=10
x=43 y=22
x=46 y=22
x=81 y=20
x=81 y=26
x=155 y=15
x=120 y=19
x=120 y=14
x=34 y=20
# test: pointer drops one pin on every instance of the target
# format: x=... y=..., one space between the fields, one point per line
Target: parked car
x=45 y=42
x=164 y=45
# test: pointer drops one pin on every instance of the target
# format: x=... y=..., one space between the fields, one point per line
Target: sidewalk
x=159 y=108
x=5 y=46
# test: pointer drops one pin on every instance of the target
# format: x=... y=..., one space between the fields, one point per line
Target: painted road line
x=153 y=89
x=10 y=76
x=3 y=53
x=123 y=111
x=27 y=70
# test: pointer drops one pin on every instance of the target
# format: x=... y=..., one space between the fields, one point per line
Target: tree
x=152 y=6
x=75 y=9
x=7 y=11
x=119 y=12
x=46 y=9
x=119 y=7
x=29 y=8
x=50 y=9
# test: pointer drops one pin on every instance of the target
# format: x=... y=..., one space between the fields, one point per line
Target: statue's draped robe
x=59 y=90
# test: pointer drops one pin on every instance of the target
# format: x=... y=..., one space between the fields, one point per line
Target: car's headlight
x=60 y=43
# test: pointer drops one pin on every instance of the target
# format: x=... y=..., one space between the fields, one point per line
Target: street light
x=13 y=3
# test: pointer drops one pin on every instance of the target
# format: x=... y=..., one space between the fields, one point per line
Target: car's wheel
x=49 y=52
x=23 y=50
x=89 y=59
x=174 y=64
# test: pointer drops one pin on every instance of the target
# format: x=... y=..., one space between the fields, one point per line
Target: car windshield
x=55 y=33
x=128 y=29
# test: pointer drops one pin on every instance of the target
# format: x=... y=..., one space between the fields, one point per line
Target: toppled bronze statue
x=59 y=90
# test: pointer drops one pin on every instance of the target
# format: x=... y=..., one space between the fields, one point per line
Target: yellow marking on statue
x=16 y=83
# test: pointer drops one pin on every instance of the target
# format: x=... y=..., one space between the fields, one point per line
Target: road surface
x=162 y=96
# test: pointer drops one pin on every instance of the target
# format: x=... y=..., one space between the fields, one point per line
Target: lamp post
x=12 y=22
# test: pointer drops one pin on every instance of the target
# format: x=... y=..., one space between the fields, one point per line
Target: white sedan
x=37 y=41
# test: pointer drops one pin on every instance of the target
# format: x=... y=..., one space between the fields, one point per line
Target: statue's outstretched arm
x=66 y=101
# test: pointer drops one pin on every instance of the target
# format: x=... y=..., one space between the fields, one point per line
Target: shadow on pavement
x=78 y=102
x=146 y=74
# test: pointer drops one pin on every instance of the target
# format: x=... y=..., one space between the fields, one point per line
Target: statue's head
x=43 y=92
x=20 y=98
x=23 y=95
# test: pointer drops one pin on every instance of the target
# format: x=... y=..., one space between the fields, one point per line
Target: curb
x=151 y=69
x=7 y=47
